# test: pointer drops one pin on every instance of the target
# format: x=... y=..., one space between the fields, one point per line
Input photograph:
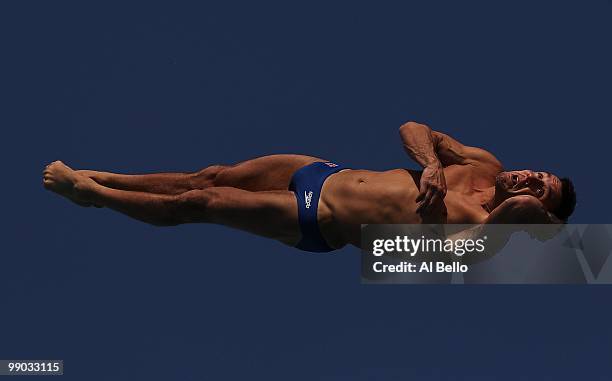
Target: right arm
x=434 y=151
x=428 y=147
x=421 y=146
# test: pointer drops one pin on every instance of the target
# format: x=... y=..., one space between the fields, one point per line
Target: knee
x=208 y=177
x=194 y=205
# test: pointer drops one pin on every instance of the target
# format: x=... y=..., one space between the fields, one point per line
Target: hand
x=433 y=189
x=548 y=226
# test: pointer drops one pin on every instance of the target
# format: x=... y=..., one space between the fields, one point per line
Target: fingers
x=424 y=204
x=437 y=200
x=422 y=194
x=442 y=191
x=432 y=198
x=432 y=190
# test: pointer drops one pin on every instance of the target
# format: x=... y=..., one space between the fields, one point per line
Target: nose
x=523 y=177
x=530 y=174
x=529 y=178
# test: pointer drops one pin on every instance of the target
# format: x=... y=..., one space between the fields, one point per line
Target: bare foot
x=63 y=180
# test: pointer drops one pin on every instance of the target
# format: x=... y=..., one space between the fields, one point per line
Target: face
x=542 y=185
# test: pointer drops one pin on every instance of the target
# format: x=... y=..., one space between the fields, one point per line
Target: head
x=557 y=195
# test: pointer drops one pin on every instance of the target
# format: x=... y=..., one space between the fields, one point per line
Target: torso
x=353 y=197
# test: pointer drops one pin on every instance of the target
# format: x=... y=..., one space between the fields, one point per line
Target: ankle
x=94 y=175
x=83 y=188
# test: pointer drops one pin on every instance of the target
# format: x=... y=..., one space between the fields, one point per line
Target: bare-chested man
x=317 y=205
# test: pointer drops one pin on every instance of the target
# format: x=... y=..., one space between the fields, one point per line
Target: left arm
x=519 y=213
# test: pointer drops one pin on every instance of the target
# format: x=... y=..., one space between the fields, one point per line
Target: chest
x=466 y=179
x=464 y=197
x=462 y=209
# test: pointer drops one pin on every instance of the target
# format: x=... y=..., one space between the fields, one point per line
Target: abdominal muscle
x=351 y=198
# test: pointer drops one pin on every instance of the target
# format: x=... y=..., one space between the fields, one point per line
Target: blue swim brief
x=306 y=183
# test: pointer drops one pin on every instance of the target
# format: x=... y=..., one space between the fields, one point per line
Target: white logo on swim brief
x=308 y=198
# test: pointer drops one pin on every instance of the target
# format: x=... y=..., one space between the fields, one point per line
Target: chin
x=500 y=184
x=501 y=189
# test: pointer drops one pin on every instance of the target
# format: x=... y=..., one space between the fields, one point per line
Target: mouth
x=510 y=181
x=514 y=180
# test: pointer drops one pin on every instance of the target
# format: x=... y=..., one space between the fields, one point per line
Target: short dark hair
x=568 y=200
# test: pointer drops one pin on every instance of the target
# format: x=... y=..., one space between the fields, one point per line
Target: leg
x=161 y=183
x=272 y=214
x=265 y=173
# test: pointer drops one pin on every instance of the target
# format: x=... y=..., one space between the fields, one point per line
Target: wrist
x=434 y=164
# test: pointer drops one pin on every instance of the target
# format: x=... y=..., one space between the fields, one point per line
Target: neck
x=489 y=201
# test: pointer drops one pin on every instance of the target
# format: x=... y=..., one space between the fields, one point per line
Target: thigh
x=271 y=214
x=265 y=173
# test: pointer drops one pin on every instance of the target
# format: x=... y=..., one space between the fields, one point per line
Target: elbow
x=526 y=209
x=411 y=126
x=523 y=202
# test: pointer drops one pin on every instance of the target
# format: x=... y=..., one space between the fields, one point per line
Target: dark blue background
x=160 y=87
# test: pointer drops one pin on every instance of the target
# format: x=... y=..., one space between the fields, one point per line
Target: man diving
x=317 y=205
